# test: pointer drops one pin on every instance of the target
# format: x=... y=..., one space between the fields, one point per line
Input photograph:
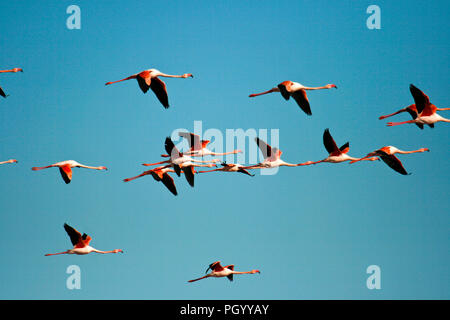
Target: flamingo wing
x=231 y=267
x=144 y=80
x=345 y=148
x=215 y=266
x=169 y=183
x=156 y=175
x=2 y=93
x=226 y=165
x=283 y=90
x=302 y=100
x=66 y=173
x=241 y=170
x=329 y=143
x=413 y=113
x=159 y=88
x=421 y=99
x=392 y=161
x=75 y=236
x=193 y=139
x=86 y=239
x=171 y=150
x=264 y=147
x=189 y=174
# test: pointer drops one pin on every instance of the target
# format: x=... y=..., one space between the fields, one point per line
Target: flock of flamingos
x=422 y=112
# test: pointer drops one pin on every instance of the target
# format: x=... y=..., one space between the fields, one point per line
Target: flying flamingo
x=217 y=271
x=295 y=90
x=65 y=168
x=426 y=111
x=198 y=147
x=159 y=174
x=387 y=155
x=9 y=161
x=149 y=79
x=231 y=167
x=336 y=155
x=2 y=93
x=80 y=243
x=181 y=162
x=272 y=157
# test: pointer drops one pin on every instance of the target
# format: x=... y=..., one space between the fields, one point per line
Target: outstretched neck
x=103 y=252
x=289 y=164
x=328 y=86
x=89 y=167
x=127 y=78
x=245 y=272
x=412 y=151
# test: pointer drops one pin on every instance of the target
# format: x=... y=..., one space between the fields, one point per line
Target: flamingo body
x=231 y=167
x=272 y=157
x=336 y=155
x=217 y=271
x=387 y=154
x=149 y=79
x=426 y=111
x=80 y=243
x=65 y=168
x=295 y=90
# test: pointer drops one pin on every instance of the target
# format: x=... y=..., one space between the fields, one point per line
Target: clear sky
x=312 y=231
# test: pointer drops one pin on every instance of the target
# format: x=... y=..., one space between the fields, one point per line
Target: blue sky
x=312 y=231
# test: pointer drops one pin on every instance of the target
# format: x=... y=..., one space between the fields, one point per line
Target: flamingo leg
x=204 y=277
x=265 y=92
x=40 y=168
x=391 y=124
x=138 y=176
x=156 y=163
x=220 y=169
x=54 y=254
x=392 y=114
x=127 y=78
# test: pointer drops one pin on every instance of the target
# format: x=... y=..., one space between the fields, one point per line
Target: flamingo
x=149 y=79
x=9 y=161
x=198 y=147
x=426 y=111
x=217 y=271
x=159 y=174
x=181 y=162
x=295 y=90
x=336 y=155
x=387 y=155
x=272 y=157
x=231 y=167
x=80 y=243
x=65 y=168
x=2 y=93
